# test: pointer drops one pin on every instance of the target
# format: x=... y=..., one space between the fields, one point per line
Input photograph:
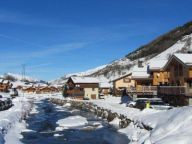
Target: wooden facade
x=179 y=89
x=160 y=78
x=5 y=86
x=29 y=90
x=80 y=90
x=121 y=83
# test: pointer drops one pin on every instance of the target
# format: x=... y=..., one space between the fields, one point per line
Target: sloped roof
x=157 y=64
x=84 y=80
x=125 y=75
x=185 y=58
x=105 y=85
x=140 y=72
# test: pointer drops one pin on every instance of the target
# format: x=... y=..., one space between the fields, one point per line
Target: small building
x=5 y=85
x=159 y=76
x=43 y=90
x=105 y=88
x=143 y=82
x=123 y=82
x=54 y=89
x=30 y=89
x=179 y=91
x=83 y=87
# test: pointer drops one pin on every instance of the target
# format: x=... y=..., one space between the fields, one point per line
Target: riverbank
x=49 y=123
x=147 y=126
x=11 y=118
x=150 y=126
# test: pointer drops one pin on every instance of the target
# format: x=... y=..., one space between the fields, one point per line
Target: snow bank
x=11 y=117
x=169 y=126
x=72 y=121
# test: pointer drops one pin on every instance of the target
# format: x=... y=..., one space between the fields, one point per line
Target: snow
x=140 y=72
x=85 y=80
x=72 y=121
x=157 y=64
x=169 y=126
x=115 y=122
x=88 y=72
x=20 y=77
x=185 y=58
x=9 y=119
x=105 y=85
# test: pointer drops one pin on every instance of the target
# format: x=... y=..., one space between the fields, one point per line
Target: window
x=190 y=84
x=93 y=89
x=175 y=71
x=180 y=70
x=126 y=80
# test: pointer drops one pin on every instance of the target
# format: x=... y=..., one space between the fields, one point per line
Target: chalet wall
x=124 y=83
x=91 y=91
x=160 y=78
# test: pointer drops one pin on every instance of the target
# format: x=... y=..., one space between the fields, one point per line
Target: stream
x=42 y=127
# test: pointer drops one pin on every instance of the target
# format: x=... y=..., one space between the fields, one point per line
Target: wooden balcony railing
x=75 y=93
x=171 y=90
x=143 y=89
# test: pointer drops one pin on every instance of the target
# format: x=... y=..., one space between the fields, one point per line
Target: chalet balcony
x=75 y=93
x=143 y=90
x=171 y=90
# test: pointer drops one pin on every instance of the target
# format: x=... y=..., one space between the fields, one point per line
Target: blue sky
x=56 y=37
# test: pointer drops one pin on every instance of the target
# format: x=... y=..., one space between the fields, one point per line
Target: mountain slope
x=177 y=40
x=17 y=77
x=178 y=37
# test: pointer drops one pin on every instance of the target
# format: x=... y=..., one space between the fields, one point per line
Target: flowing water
x=42 y=127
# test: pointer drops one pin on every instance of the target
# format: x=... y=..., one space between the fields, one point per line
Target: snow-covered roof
x=122 y=76
x=185 y=58
x=85 y=80
x=105 y=85
x=1 y=80
x=157 y=64
x=40 y=85
x=5 y=81
x=140 y=72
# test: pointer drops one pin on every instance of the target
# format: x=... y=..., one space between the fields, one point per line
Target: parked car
x=140 y=103
x=131 y=104
x=101 y=96
x=85 y=98
x=5 y=103
x=13 y=92
x=159 y=105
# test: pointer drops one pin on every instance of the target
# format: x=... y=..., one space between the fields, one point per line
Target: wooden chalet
x=54 y=89
x=179 y=91
x=30 y=89
x=83 y=87
x=5 y=85
x=157 y=73
x=121 y=83
x=143 y=83
x=44 y=90
x=105 y=88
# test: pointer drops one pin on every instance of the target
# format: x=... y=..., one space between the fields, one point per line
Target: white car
x=131 y=104
x=159 y=105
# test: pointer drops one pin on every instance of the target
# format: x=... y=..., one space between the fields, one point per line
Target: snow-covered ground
x=10 y=119
x=169 y=126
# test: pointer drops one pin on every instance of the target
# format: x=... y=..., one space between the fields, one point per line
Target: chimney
x=189 y=45
x=140 y=63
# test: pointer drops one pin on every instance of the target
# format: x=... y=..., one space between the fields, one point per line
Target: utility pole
x=23 y=71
